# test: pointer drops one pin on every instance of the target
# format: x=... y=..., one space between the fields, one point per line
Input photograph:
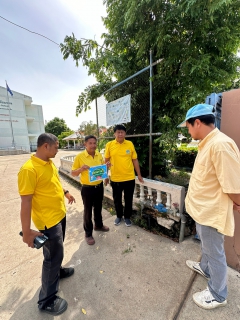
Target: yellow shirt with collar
x=216 y=173
x=40 y=179
x=121 y=156
x=84 y=158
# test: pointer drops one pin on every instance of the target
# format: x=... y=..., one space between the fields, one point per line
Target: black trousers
x=128 y=188
x=92 y=197
x=53 y=256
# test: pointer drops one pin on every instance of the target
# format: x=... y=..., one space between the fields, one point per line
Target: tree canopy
x=197 y=40
x=63 y=143
x=88 y=128
x=56 y=126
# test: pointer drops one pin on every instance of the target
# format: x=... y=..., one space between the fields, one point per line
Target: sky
x=34 y=66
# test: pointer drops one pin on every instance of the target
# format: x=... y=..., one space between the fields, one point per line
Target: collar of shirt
x=203 y=142
x=40 y=161
x=116 y=142
x=88 y=155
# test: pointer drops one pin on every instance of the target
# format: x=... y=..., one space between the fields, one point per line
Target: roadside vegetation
x=198 y=42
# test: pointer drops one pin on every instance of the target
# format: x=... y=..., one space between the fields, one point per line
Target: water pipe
x=182 y=227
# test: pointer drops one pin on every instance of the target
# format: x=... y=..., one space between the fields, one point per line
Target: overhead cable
x=29 y=30
x=45 y=36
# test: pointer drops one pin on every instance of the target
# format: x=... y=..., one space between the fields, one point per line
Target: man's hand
x=108 y=163
x=29 y=236
x=140 y=178
x=78 y=171
x=236 y=207
x=70 y=198
x=137 y=169
x=106 y=181
x=84 y=168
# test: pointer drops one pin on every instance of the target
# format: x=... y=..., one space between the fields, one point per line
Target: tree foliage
x=88 y=128
x=197 y=40
x=56 y=126
x=63 y=143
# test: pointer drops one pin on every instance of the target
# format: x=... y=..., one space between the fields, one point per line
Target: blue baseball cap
x=201 y=109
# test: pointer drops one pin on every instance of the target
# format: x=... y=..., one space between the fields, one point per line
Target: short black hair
x=119 y=127
x=46 y=138
x=206 y=119
x=89 y=137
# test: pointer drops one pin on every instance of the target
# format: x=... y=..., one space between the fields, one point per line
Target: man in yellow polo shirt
x=123 y=157
x=213 y=190
x=42 y=199
x=92 y=192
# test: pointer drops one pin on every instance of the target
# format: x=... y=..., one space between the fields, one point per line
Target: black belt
x=88 y=186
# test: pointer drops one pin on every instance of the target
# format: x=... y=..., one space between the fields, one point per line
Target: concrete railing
x=150 y=192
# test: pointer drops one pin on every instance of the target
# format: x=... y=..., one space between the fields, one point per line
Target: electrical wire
x=45 y=36
x=29 y=30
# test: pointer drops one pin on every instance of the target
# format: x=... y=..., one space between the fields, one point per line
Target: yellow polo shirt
x=121 y=156
x=84 y=158
x=216 y=172
x=40 y=179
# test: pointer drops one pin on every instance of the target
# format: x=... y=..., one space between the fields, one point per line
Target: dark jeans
x=128 y=188
x=53 y=256
x=92 y=197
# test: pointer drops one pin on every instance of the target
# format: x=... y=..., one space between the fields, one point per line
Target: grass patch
x=109 y=206
x=127 y=250
x=178 y=177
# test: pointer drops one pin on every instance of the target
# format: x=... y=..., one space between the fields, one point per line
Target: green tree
x=88 y=128
x=103 y=141
x=197 y=40
x=56 y=126
x=63 y=143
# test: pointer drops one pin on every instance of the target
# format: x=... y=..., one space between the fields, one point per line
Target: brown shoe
x=90 y=240
x=103 y=229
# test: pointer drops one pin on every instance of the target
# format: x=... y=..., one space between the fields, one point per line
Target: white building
x=21 y=122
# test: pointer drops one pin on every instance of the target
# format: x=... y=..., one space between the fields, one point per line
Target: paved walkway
x=129 y=274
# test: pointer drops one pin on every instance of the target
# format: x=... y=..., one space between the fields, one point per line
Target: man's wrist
x=65 y=192
x=26 y=232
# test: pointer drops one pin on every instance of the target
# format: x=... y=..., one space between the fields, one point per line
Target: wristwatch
x=66 y=191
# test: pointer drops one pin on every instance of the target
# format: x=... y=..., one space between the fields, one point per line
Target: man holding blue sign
x=92 y=186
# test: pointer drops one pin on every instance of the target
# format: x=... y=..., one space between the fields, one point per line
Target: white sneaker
x=205 y=300
x=195 y=266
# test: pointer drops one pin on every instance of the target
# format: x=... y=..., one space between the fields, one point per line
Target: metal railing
x=139 y=87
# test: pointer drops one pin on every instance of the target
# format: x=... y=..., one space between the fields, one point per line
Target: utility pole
x=13 y=141
x=150 y=118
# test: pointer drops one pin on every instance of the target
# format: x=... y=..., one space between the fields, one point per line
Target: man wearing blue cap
x=214 y=191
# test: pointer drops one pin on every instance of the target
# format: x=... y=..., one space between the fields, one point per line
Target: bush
x=185 y=157
x=178 y=177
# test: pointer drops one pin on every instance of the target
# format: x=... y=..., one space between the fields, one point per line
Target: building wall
x=21 y=122
x=230 y=126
